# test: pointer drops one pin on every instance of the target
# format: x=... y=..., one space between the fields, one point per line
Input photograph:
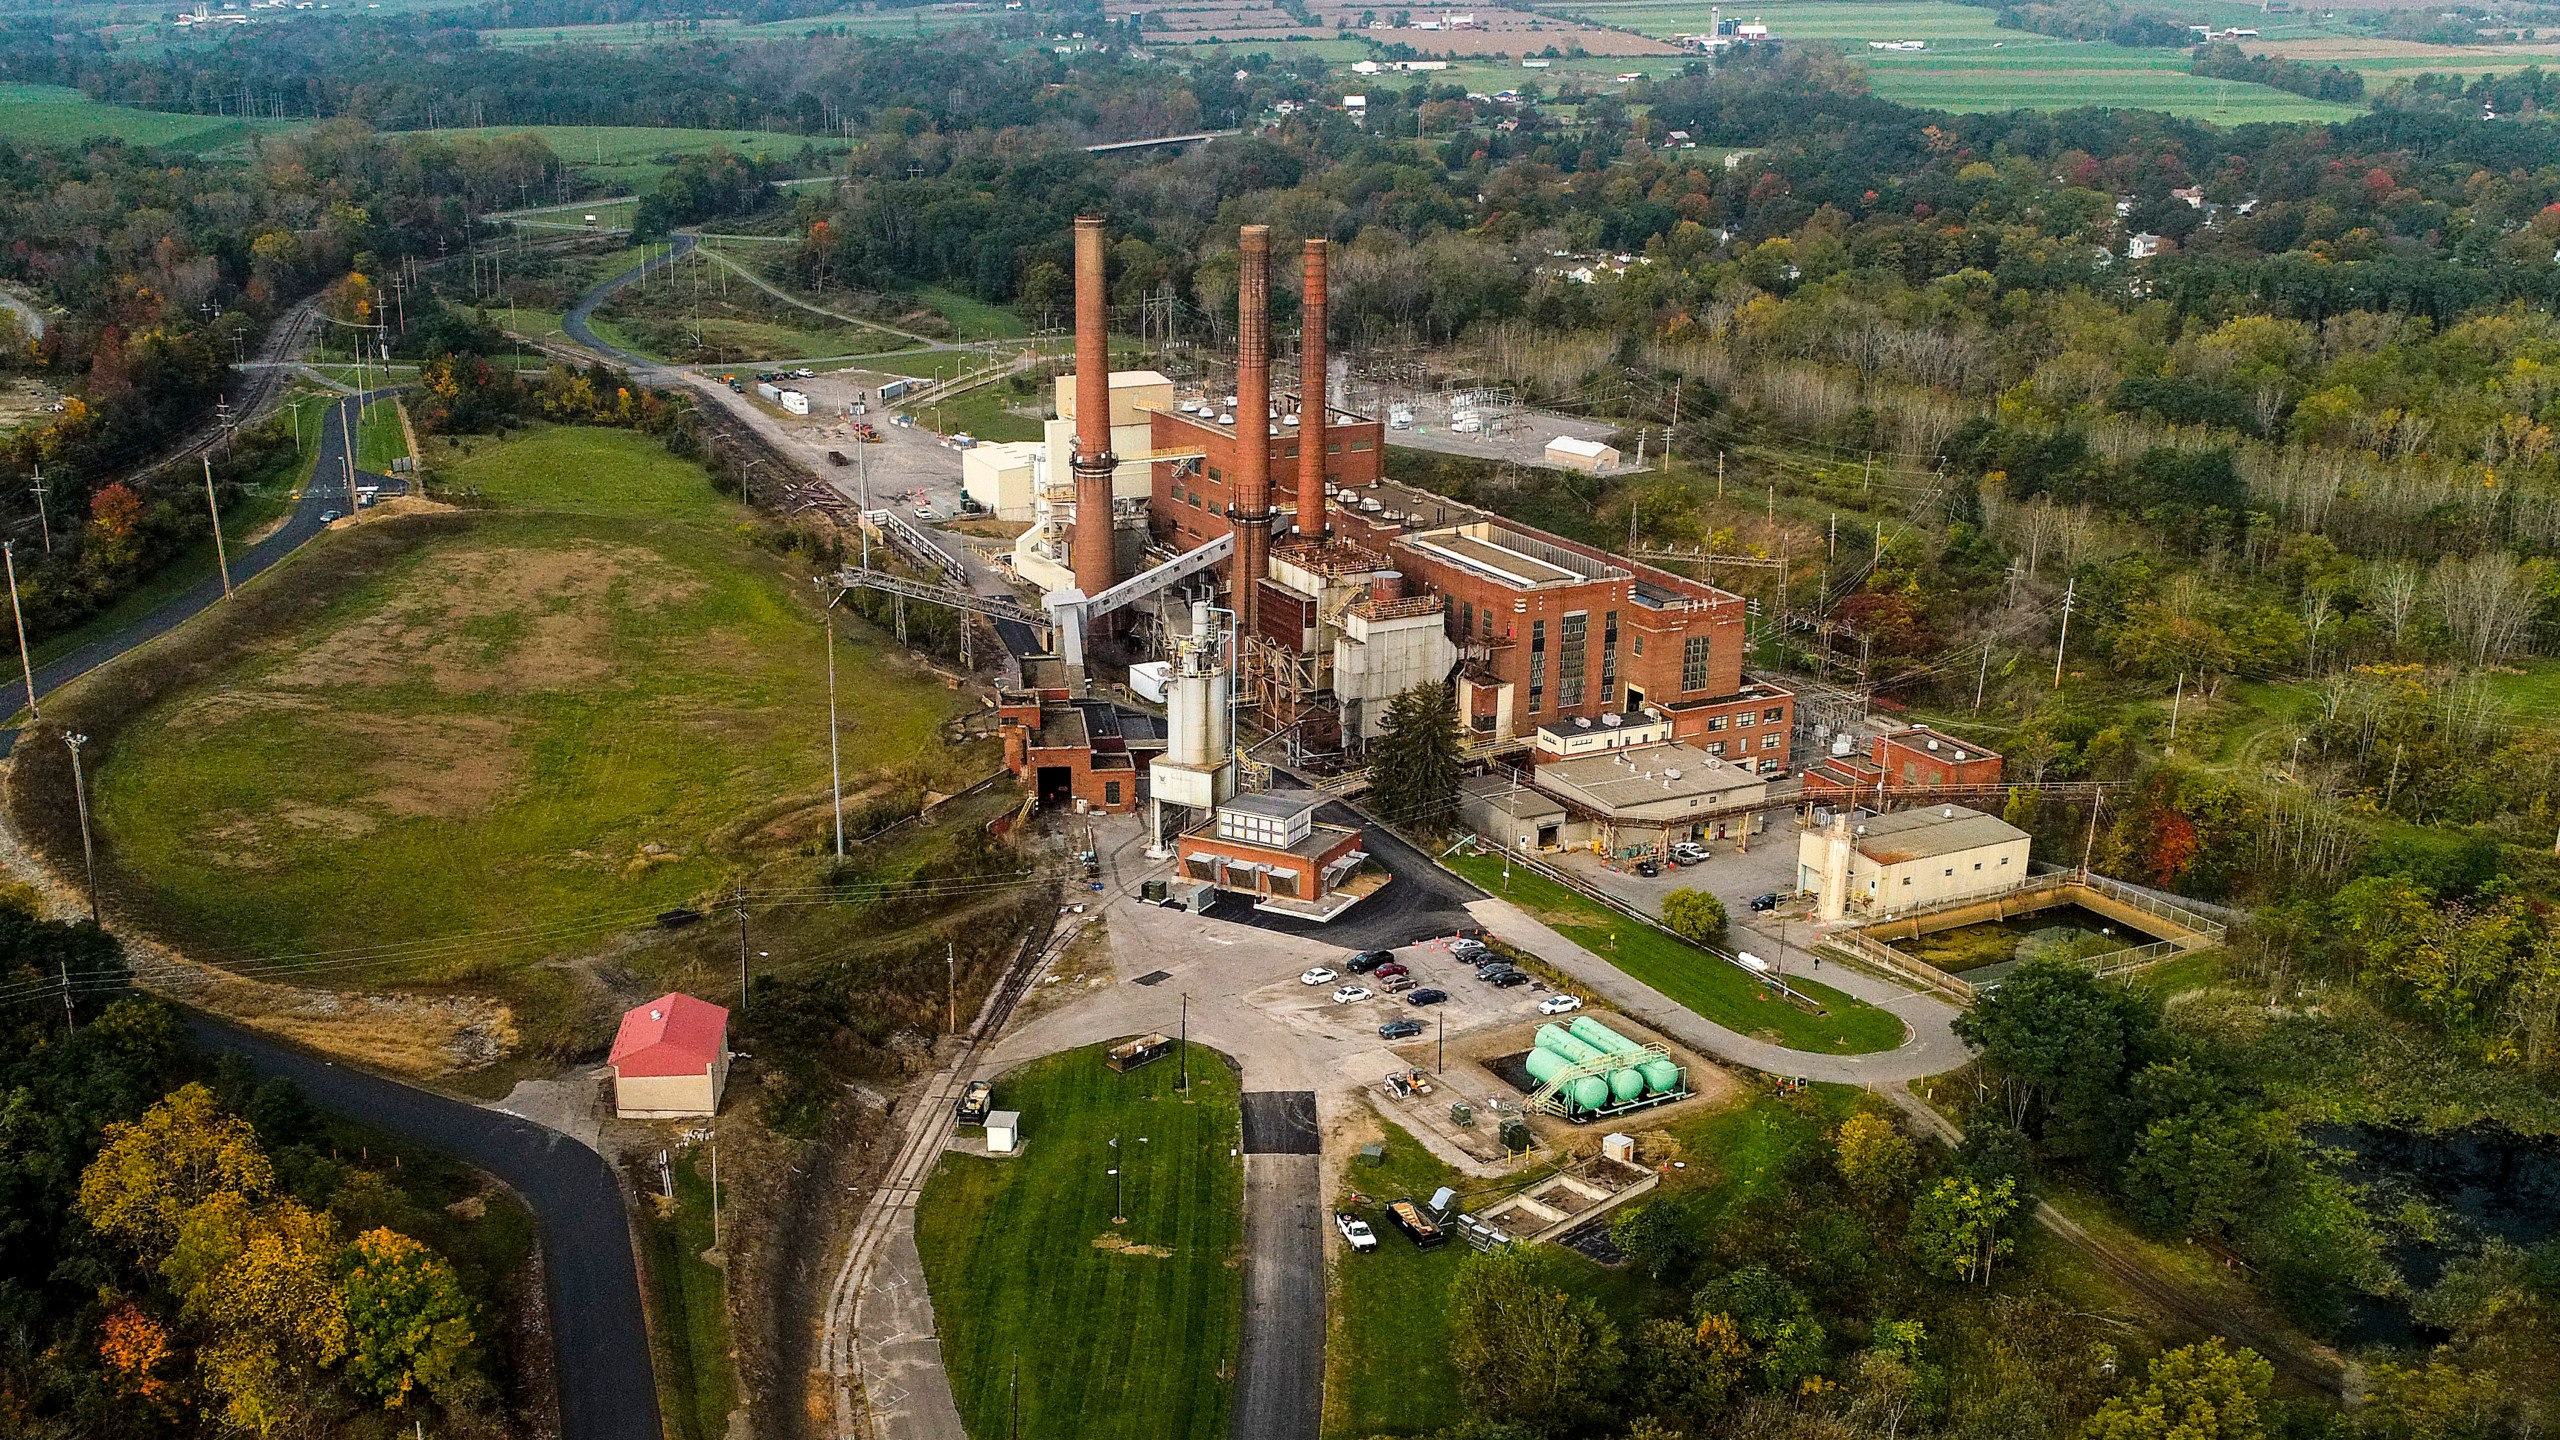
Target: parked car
x=1318 y=975
x=1355 y=1231
x=1559 y=1005
x=1392 y=969
x=1368 y=960
x=1688 y=853
x=1398 y=984
x=1765 y=902
x=1426 y=997
x=327 y=516
x=1509 y=978
x=1648 y=869
x=1350 y=994
x=1491 y=966
x=1402 y=1028
x=1468 y=949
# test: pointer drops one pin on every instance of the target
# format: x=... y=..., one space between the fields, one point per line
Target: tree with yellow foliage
x=153 y=1171
x=408 y=1322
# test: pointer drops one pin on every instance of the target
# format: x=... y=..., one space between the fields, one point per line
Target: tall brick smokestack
x=1253 y=422
x=1313 y=407
x=1089 y=548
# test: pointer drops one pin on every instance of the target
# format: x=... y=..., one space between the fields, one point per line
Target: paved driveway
x=600 y=1347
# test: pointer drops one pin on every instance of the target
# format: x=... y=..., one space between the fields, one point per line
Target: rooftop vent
x=1862 y=829
x=1948 y=813
x=657 y=1014
x=1612 y=717
x=1581 y=722
x=1671 y=775
x=1933 y=744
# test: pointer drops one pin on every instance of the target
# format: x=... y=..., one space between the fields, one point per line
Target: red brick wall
x=1361 y=451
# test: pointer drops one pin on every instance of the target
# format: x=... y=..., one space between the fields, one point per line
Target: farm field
x=1116 y=1329
x=634 y=156
x=525 y=730
x=887 y=23
x=1974 y=64
x=1723 y=993
x=59 y=115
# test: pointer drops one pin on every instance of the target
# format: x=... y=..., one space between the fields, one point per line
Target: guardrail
x=2150 y=904
x=1902 y=967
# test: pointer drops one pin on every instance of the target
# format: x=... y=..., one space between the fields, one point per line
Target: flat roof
x=1929 y=832
x=1600 y=724
x=1274 y=804
x=1647 y=775
x=1517 y=801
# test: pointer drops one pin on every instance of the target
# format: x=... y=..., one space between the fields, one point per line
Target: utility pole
x=26 y=658
x=2070 y=595
x=45 y=519
x=1719 y=474
x=1675 y=425
x=221 y=560
x=80 y=797
x=2175 y=703
x=742 y=947
x=347 y=438
x=835 y=761
x=1983 y=677
x=951 y=986
x=70 y=1021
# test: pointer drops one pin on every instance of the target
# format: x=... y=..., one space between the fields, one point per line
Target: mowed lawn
x=511 y=739
x=1711 y=986
x=1114 y=1330
x=60 y=115
x=637 y=155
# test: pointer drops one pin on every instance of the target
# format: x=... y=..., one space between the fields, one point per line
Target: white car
x=1317 y=976
x=1559 y=1005
x=1355 y=1231
x=1468 y=949
x=1350 y=994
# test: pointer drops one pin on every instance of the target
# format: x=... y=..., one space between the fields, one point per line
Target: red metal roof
x=671 y=1035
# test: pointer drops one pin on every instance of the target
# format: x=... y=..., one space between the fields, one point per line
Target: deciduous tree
x=1525 y=1351
x=1696 y=915
x=1875 y=1159
x=408 y=1322
x=2196 y=1392
x=155 y=1170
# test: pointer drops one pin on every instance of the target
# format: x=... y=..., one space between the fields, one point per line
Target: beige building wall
x=999 y=475
x=1910 y=883
x=665 y=1097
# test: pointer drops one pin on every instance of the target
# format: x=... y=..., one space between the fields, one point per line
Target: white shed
x=1575 y=453
x=1004 y=1131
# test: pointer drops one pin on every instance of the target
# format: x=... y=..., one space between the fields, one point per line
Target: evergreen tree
x=1415 y=761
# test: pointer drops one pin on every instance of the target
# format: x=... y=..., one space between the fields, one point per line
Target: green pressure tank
x=1624 y=1084
x=1567 y=1044
x=1587 y=1092
x=1660 y=1075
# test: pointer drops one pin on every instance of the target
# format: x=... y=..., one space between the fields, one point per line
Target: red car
x=1391 y=969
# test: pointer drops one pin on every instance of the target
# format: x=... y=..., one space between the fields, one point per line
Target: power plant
x=1301 y=612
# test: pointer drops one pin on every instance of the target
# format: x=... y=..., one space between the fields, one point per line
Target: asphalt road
x=600 y=1345
x=1279 y=1391
x=326 y=492
x=576 y=324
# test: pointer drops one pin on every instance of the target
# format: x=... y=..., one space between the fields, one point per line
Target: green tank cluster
x=1562 y=1050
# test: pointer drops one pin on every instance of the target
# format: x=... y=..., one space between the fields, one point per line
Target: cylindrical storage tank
x=1567 y=1044
x=1586 y=1092
x=1660 y=1076
x=1626 y=1084
x=1600 y=1037
x=1188 y=730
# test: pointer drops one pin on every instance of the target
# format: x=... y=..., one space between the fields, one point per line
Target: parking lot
x=1731 y=875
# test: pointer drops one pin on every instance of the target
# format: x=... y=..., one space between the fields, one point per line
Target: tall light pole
x=1119 y=1184
x=26 y=659
x=835 y=758
x=80 y=797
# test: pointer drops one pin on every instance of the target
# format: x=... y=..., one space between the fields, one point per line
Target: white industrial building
x=1000 y=476
x=1575 y=453
x=1888 y=864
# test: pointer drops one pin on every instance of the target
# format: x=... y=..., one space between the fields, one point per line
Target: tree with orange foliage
x=134 y=1347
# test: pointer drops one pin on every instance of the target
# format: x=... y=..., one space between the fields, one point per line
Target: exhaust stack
x=1253 y=423
x=1089 y=549
x=1314 y=412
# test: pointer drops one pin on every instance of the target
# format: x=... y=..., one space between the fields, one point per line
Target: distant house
x=2142 y=246
x=670 y=1059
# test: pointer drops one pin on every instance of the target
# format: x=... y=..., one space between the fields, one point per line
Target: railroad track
x=928 y=1128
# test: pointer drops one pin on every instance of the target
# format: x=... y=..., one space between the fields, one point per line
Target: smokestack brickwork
x=1313 y=410
x=1089 y=548
x=1253 y=422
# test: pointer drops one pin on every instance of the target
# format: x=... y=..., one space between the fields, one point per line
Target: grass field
x=1973 y=64
x=379 y=438
x=886 y=24
x=1115 y=1329
x=59 y=115
x=1722 y=992
x=634 y=156
x=541 y=721
x=689 y=1298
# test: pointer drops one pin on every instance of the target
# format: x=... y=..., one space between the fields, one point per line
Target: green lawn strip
x=1713 y=987
x=1106 y=1341
x=379 y=438
x=602 y=717
x=696 y=1383
x=971 y=318
x=1387 y=1359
